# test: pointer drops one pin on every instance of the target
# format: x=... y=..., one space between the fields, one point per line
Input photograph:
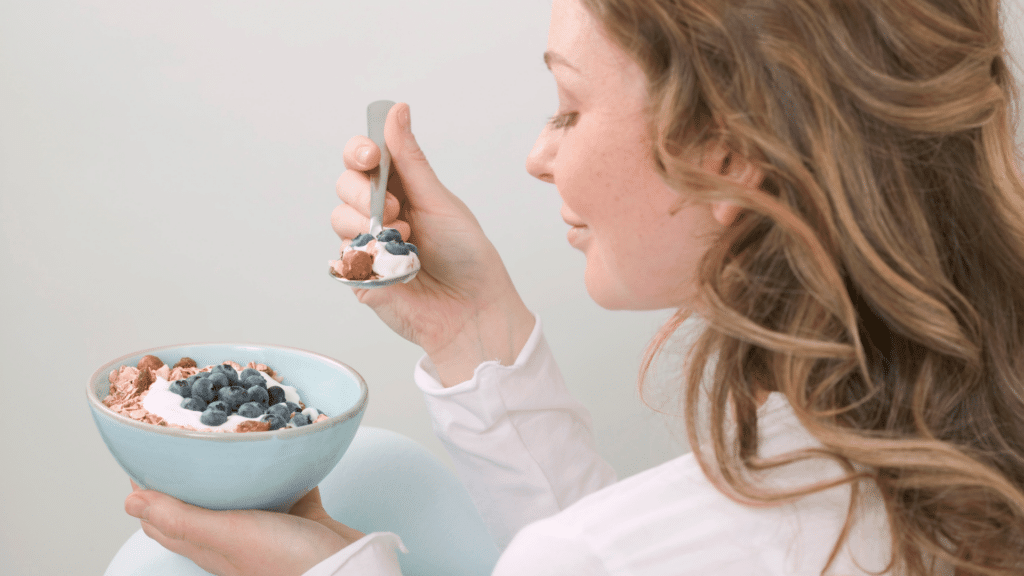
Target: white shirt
x=524 y=449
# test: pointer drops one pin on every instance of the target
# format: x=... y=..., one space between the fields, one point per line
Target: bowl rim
x=100 y=408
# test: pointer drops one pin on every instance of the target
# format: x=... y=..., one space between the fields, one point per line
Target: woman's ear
x=725 y=212
x=737 y=170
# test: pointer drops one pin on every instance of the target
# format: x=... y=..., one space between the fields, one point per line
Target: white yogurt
x=167 y=405
x=386 y=264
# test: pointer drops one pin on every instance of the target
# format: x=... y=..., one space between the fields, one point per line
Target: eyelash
x=567 y=120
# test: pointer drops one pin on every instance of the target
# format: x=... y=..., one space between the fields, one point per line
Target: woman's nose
x=538 y=161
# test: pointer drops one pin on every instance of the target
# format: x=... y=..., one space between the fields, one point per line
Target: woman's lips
x=578 y=232
x=577 y=236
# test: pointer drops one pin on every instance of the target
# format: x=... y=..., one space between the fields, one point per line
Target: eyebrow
x=556 y=58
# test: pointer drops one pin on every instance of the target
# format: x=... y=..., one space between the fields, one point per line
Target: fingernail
x=137 y=506
x=363 y=155
x=406 y=120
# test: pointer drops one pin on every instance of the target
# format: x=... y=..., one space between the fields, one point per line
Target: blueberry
x=275 y=421
x=219 y=406
x=412 y=248
x=252 y=410
x=194 y=404
x=203 y=389
x=361 y=240
x=181 y=387
x=212 y=417
x=228 y=371
x=192 y=379
x=253 y=380
x=257 y=394
x=276 y=394
x=233 y=396
x=246 y=372
x=299 y=419
x=219 y=380
x=397 y=248
x=281 y=410
x=293 y=407
x=389 y=234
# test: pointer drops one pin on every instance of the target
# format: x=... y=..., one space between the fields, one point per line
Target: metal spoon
x=376 y=114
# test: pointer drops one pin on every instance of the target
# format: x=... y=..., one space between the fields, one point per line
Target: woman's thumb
x=406 y=155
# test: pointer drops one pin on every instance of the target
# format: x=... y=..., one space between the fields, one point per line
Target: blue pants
x=384 y=482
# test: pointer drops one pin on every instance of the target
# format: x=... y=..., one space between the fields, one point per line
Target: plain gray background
x=167 y=175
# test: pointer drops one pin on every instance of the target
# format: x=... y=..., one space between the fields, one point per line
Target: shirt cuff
x=429 y=381
x=372 y=555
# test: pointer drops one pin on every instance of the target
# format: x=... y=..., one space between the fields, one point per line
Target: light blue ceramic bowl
x=227 y=471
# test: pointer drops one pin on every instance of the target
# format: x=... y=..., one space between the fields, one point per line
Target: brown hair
x=879 y=281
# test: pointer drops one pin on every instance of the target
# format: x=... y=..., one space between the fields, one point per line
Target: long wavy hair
x=878 y=282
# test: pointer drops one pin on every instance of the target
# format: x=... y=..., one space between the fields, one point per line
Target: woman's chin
x=606 y=294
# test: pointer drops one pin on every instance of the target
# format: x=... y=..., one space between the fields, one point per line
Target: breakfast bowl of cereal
x=227 y=426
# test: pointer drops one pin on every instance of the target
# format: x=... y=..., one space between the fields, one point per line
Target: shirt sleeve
x=549 y=556
x=522 y=445
x=372 y=555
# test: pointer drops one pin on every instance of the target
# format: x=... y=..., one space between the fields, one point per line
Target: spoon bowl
x=376 y=282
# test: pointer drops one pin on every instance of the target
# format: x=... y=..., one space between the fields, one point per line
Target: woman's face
x=642 y=246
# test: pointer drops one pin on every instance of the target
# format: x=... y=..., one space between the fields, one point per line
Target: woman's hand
x=242 y=542
x=461 y=308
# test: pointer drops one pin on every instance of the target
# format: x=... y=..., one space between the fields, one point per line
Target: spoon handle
x=376 y=114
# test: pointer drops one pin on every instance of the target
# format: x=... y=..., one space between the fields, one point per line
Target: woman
x=830 y=187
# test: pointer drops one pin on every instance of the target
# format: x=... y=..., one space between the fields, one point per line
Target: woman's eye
x=567 y=120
